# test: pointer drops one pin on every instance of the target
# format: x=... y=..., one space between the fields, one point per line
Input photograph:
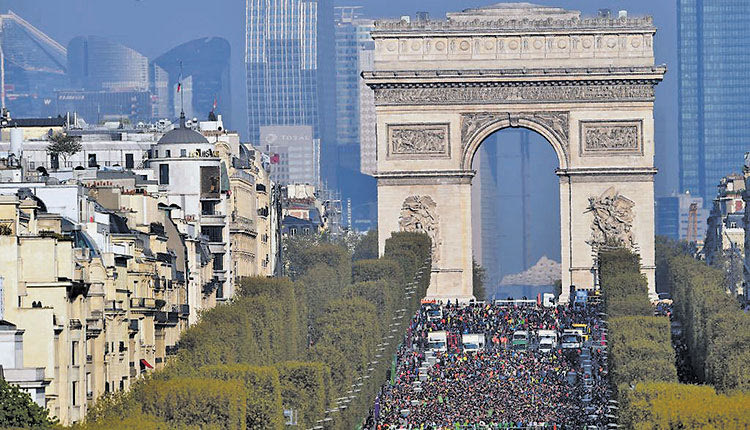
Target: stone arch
x=592 y=102
x=553 y=126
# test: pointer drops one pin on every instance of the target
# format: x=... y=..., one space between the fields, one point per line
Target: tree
x=63 y=145
x=367 y=248
x=18 y=410
x=479 y=274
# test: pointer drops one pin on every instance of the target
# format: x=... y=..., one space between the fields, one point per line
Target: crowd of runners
x=502 y=384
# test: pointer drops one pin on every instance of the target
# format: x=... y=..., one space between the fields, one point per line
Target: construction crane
x=692 y=228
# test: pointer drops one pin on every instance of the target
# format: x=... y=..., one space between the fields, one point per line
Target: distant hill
x=544 y=272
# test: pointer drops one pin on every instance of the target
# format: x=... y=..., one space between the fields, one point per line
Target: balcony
x=142 y=304
x=216 y=248
x=75 y=324
x=94 y=327
x=113 y=306
x=214 y=219
x=241 y=224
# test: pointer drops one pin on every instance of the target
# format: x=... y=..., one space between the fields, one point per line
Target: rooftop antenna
x=182 y=101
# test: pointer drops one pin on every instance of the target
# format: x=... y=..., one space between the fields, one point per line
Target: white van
x=571 y=339
x=437 y=341
x=473 y=342
x=547 y=340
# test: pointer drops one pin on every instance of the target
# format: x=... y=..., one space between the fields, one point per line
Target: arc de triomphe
x=585 y=84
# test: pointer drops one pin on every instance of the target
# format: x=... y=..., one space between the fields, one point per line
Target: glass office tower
x=714 y=71
x=99 y=64
x=34 y=67
x=205 y=64
x=290 y=69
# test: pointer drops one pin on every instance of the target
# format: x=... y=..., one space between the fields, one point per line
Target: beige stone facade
x=585 y=84
x=99 y=306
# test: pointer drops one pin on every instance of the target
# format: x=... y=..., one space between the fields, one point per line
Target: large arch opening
x=515 y=210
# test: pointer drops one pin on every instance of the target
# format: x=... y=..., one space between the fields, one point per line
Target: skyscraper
x=289 y=58
x=353 y=41
x=714 y=69
x=108 y=81
x=204 y=66
x=99 y=64
x=34 y=66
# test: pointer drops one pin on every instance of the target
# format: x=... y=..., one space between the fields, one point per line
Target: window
x=129 y=162
x=168 y=153
x=183 y=153
x=74 y=353
x=164 y=174
x=92 y=160
x=156 y=153
x=214 y=233
x=54 y=161
x=208 y=207
x=75 y=393
x=218 y=261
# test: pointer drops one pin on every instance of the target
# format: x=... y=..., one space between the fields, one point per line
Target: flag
x=214 y=105
x=179 y=86
x=275 y=159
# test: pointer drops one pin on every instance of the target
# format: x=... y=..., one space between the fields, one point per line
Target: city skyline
x=458 y=216
x=226 y=18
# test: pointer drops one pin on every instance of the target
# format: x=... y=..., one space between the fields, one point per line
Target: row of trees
x=640 y=343
x=717 y=331
x=668 y=405
x=642 y=360
x=295 y=343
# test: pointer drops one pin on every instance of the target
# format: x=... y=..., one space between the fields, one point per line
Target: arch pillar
x=437 y=203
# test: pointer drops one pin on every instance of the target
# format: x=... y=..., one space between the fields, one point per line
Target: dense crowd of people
x=499 y=386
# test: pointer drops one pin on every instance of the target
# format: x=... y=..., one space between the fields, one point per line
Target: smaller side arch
x=553 y=126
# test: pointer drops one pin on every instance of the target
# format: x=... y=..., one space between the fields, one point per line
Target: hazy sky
x=155 y=26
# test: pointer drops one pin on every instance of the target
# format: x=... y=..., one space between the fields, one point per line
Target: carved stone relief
x=419 y=214
x=557 y=123
x=611 y=138
x=418 y=140
x=613 y=220
x=467 y=94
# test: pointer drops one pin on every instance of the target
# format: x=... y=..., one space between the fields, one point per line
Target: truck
x=547 y=340
x=571 y=339
x=520 y=339
x=473 y=342
x=437 y=341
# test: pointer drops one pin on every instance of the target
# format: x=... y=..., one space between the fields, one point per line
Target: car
x=434 y=313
